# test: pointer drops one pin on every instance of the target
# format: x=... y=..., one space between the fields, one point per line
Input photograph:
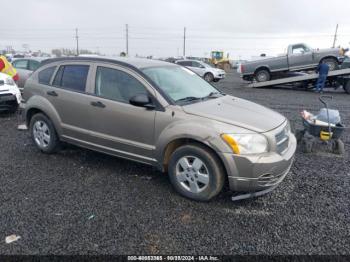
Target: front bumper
x=219 y=76
x=259 y=172
x=8 y=102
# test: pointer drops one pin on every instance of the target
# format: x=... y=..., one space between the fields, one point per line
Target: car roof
x=190 y=60
x=139 y=63
x=39 y=59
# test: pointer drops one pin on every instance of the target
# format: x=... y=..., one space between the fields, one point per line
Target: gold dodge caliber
x=163 y=115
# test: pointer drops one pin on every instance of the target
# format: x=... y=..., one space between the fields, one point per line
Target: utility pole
x=335 y=36
x=184 y=51
x=77 y=39
x=127 y=38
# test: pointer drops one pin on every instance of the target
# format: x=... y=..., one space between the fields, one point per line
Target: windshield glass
x=179 y=82
x=208 y=65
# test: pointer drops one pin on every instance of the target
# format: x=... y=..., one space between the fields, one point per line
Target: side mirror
x=2 y=82
x=142 y=100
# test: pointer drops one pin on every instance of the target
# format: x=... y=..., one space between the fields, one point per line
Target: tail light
x=242 y=68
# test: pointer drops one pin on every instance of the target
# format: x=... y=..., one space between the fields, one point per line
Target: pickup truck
x=298 y=57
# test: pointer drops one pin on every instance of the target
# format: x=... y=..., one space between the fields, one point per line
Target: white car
x=208 y=72
x=10 y=96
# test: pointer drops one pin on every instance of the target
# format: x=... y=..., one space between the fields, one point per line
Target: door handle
x=98 y=104
x=51 y=93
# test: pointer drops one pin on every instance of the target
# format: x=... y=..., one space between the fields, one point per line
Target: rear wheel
x=44 y=134
x=196 y=173
x=209 y=77
x=262 y=75
x=338 y=147
x=332 y=63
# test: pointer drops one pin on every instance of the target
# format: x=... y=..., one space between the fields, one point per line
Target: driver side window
x=117 y=85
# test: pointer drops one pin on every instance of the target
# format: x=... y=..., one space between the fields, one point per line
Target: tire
x=262 y=75
x=332 y=63
x=299 y=134
x=196 y=173
x=339 y=147
x=44 y=134
x=347 y=87
x=227 y=67
x=209 y=77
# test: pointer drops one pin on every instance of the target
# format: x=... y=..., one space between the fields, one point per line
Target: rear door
x=68 y=96
x=198 y=68
x=118 y=126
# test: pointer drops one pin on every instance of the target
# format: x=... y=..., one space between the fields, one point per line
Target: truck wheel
x=332 y=63
x=347 y=87
x=208 y=77
x=196 y=172
x=262 y=75
x=44 y=134
x=338 y=147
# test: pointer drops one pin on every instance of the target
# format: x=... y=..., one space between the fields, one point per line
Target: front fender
x=193 y=130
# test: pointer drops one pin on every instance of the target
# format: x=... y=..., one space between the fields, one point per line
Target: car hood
x=334 y=51
x=238 y=112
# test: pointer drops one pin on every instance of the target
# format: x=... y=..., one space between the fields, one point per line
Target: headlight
x=245 y=144
x=9 y=81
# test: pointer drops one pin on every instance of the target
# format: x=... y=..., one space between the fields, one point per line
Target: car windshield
x=180 y=84
x=208 y=65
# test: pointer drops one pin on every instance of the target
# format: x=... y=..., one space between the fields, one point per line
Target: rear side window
x=72 y=77
x=45 y=75
x=117 y=85
x=20 y=64
x=185 y=63
x=33 y=65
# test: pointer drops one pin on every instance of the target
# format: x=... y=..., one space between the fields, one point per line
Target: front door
x=198 y=68
x=117 y=126
x=301 y=57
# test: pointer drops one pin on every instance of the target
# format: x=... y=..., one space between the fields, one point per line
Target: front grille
x=282 y=141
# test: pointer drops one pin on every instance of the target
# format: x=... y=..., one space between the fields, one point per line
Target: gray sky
x=242 y=28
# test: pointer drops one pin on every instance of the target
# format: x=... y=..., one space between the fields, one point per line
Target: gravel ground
x=83 y=202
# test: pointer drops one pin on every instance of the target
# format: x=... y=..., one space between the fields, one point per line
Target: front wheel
x=196 y=172
x=44 y=134
x=347 y=87
x=208 y=77
x=332 y=63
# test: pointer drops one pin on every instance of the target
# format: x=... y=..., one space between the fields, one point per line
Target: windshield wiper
x=213 y=95
x=188 y=99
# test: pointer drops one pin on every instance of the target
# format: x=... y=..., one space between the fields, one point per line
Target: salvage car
x=298 y=57
x=344 y=81
x=163 y=115
x=208 y=72
x=25 y=67
x=10 y=96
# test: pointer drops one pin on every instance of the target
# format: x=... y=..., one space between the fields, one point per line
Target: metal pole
x=127 y=38
x=77 y=38
x=184 y=51
x=335 y=36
